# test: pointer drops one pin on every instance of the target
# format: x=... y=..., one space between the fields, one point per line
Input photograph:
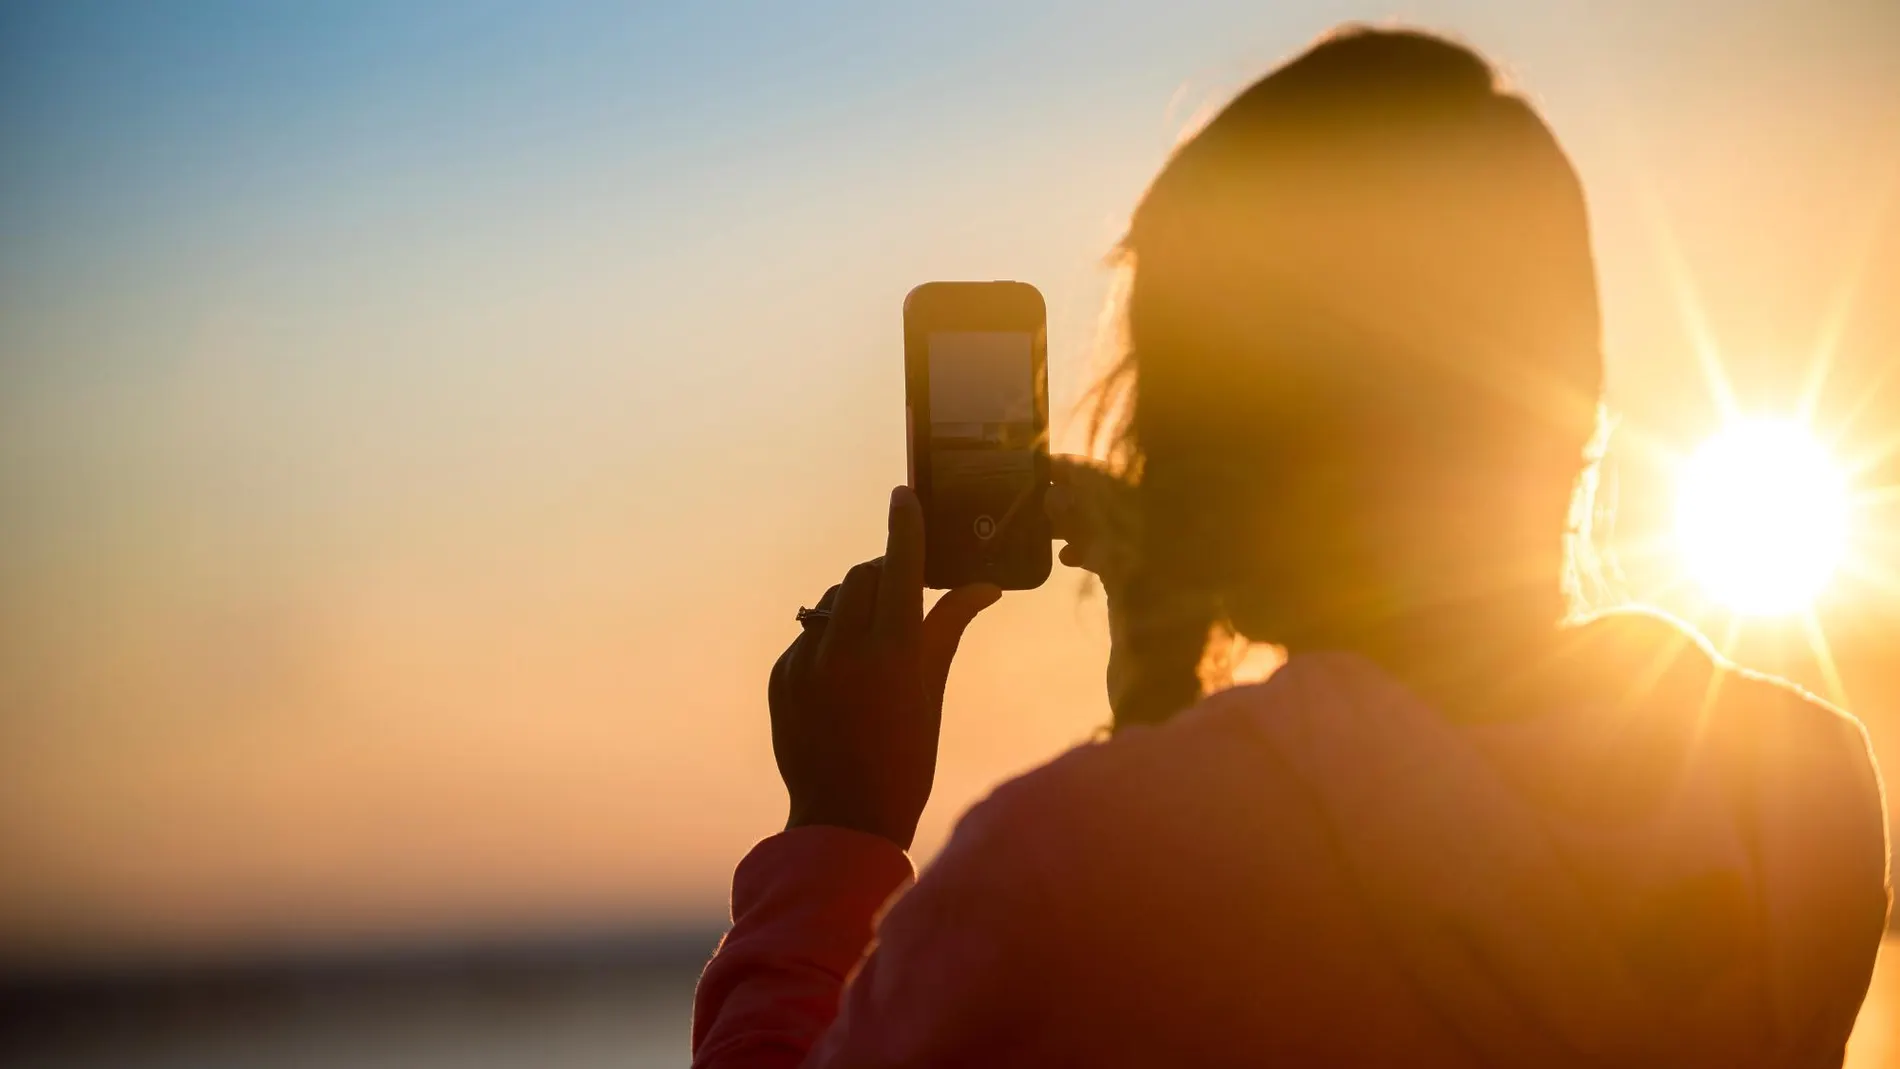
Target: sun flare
x=1761 y=517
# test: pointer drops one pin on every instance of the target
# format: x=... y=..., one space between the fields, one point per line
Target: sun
x=1761 y=517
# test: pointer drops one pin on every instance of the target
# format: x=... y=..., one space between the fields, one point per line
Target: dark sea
x=623 y=1002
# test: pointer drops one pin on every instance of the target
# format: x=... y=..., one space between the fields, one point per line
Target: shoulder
x=1650 y=657
x=1815 y=810
x=1204 y=793
x=1203 y=749
x=1188 y=854
x=1808 y=757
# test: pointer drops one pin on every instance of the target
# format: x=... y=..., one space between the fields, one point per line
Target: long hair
x=1362 y=364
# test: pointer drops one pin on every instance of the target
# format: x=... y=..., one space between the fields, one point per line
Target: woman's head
x=1363 y=362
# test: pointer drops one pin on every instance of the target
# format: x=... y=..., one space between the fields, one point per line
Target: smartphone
x=976 y=384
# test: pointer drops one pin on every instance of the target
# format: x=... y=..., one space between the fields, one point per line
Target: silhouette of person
x=1460 y=825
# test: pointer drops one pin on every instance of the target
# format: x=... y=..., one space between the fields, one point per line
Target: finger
x=943 y=630
x=1063 y=466
x=1084 y=498
x=779 y=681
x=830 y=595
x=1072 y=556
x=1058 y=503
x=804 y=649
x=900 y=584
x=851 y=610
x=1085 y=478
x=822 y=608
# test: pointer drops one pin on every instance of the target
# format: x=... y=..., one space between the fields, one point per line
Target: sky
x=419 y=421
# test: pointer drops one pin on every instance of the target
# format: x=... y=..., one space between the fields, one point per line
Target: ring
x=807 y=616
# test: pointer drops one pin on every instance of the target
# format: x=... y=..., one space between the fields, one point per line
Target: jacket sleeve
x=952 y=978
x=803 y=906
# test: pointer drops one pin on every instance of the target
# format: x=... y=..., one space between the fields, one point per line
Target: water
x=593 y=1019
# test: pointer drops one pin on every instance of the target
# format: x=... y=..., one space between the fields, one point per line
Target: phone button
x=985 y=527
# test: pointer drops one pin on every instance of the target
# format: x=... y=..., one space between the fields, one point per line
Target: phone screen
x=983 y=429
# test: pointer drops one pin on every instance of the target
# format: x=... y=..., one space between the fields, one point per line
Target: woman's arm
x=856 y=703
x=803 y=906
x=958 y=974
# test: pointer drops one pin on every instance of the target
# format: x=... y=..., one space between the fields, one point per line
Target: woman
x=1458 y=827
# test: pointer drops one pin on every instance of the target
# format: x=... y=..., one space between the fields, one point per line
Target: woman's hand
x=857 y=700
x=1093 y=511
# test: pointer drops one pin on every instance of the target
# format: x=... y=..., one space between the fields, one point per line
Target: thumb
x=943 y=629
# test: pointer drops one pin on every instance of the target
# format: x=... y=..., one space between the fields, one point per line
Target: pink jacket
x=1685 y=867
